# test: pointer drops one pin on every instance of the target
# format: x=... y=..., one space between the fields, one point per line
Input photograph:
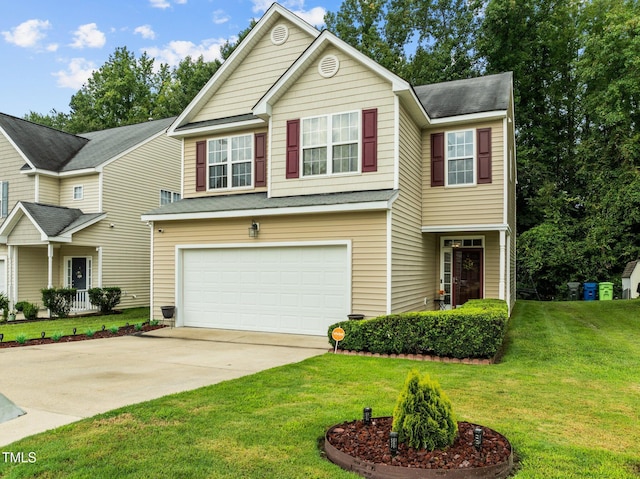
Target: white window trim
x=230 y=163
x=474 y=159
x=73 y=192
x=330 y=144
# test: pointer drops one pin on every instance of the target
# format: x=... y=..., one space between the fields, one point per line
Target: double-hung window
x=460 y=158
x=167 y=197
x=230 y=162
x=330 y=144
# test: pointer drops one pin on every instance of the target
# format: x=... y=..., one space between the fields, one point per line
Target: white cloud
x=220 y=17
x=177 y=50
x=52 y=47
x=146 y=31
x=159 y=3
x=88 y=36
x=315 y=16
x=78 y=71
x=28 y=34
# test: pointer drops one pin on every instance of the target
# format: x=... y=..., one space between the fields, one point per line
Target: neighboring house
x=316 y=183
x=631 y=280
x=71 y=204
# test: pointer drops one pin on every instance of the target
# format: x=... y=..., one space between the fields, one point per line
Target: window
x=460 y=158
x=167 y=197
x=78 y=192
x=230 y=162
x=330 y=144
x=4 y=198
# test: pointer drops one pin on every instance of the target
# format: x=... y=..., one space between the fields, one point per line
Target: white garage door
x=3 y=277
x=292 y=289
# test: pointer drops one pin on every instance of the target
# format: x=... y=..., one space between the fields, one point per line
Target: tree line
x=576 y=66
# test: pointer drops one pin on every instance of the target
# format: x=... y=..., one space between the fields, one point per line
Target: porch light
x=477 y=437
x=254 y=229
x=393 y=442
x=366 y=415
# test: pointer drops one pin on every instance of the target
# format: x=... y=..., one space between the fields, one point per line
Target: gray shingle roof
x=258 y=201
x=464 y=97
x=56 y=220
x=218 y=121
x=45 y=147
x=54 y=150
x=628 y=269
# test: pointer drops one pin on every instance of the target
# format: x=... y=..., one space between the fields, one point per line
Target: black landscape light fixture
x=103 y=327
x=254 y=229
x=393 y=442
x=1 y=337
x=74 y=331
x=42 y=334
x=366 y=415
x=477 y=437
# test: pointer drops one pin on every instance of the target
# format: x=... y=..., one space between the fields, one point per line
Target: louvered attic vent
x=279 y=34
x=328 y=66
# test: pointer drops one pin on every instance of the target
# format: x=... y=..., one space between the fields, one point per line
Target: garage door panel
x=294 y=289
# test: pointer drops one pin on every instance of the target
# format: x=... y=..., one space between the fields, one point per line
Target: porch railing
x=81 y=302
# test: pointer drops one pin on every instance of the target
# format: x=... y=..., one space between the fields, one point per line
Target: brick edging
x=415 y=357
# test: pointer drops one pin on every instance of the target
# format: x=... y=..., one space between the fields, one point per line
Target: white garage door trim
x=180 y=273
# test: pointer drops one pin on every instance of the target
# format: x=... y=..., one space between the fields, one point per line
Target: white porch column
x=50 y=265
x=12 y=276
x=503 y=265
x=99 y=282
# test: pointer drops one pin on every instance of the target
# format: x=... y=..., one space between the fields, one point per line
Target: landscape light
x=1 y=337
x=42 y=334
x=477 y=437
x=74 y=331
x=366 y=415
x=393 y=442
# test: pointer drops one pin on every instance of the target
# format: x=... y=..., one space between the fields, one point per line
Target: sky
x=49 y=48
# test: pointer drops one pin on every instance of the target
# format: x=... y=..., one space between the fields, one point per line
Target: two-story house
x=70 y=207
x=316 y=183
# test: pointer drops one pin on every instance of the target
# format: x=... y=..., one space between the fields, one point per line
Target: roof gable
x=271 y=17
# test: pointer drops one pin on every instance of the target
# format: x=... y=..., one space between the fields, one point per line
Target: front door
x=79 y=273
x=467 y=278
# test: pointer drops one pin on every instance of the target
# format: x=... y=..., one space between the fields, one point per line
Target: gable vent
x=279 y=34
x=328 y=66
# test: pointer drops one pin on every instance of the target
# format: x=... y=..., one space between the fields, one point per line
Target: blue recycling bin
x=590 y=291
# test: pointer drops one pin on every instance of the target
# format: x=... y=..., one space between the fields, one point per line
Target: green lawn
x=33 y=330
x=566 y=394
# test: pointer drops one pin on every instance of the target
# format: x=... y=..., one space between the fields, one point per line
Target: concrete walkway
x=57 y=384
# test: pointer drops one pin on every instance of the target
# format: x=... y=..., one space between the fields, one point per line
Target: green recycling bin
x=605 y=291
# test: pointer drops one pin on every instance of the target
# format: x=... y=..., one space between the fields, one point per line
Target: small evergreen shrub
x=105 y=298
x=21 y=338
x=90 y=332
x=57 y=336
x=58 y=300
x=423 y=416
x=4 y=306
x=29 y=310
x=20 y=305
x=114 y=329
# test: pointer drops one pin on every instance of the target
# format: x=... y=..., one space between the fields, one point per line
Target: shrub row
x=475 y=330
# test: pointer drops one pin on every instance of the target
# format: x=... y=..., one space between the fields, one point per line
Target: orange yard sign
x=338 y=335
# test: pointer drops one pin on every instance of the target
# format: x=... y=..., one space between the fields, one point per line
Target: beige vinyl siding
x=131 y=187
x=21 y=186
x=353 y=88
x=24 y=233
x=190 y=166
x=366 y=231
x=48 y=190
x=413 y=254
x=33 y=271
x=251 y=79
x=90 y=202
x=480 y=204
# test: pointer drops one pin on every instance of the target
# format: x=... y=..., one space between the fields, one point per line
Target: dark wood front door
x=467 y=278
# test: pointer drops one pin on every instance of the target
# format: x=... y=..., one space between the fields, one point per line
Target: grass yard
x=33 y=330
x=566 y=394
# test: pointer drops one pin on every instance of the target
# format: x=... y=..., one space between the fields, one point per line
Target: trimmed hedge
x=474 y=330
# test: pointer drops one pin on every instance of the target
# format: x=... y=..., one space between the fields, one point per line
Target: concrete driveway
x=57 y=384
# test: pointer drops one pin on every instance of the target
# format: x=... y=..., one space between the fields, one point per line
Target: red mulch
x=122 y=331
x=371 y=443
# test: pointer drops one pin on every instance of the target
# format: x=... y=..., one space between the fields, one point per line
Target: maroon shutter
x=201 y=166
x=260 y=152
x=437 y=159
x=484 y=155
x=293 y=148
x=369 y=140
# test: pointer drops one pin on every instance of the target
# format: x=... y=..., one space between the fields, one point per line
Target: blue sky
x=49 y=48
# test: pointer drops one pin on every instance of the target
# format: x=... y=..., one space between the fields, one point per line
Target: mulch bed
x=122 y=331
x=371 y=443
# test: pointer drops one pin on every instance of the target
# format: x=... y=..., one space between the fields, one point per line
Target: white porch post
x=12 y=277
x=503 y=265
x=99 y=282
x=50 y=266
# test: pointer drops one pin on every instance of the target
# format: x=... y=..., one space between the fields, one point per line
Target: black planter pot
x=168 y=311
